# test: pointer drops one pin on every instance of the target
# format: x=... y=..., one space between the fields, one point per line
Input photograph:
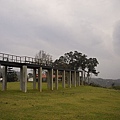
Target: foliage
x=75 y=61
x=116 y=87
x=43 y=58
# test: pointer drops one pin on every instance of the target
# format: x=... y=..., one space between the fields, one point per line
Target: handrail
x=23 y=59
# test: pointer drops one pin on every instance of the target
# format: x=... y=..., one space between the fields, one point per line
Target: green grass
x=80 y=103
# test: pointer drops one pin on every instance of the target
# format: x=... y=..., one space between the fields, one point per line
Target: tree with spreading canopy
x=75 y=61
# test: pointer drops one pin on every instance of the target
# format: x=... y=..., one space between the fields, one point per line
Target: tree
x=72 y=60
x=43 y=58
x=91 y=67
x=76 y=60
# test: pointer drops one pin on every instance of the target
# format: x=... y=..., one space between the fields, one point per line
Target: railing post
x=20 y=59
x=3 y=57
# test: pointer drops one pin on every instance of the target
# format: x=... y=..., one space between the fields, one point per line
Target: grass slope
x=80 y=103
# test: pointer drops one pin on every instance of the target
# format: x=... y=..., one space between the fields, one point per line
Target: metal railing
x=23 y=59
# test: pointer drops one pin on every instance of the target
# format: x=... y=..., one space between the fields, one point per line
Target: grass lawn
x=80 y=103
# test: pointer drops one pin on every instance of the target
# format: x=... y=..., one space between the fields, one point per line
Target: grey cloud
x=116 y=38
x=61 y=26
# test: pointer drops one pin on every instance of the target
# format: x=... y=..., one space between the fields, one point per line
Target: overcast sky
x=91 y=27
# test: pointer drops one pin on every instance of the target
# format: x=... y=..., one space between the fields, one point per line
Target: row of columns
x=73 y=78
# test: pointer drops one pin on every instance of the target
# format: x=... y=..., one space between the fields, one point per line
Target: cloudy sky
x=91 y=27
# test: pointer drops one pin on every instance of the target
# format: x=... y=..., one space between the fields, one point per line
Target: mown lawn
x=80 y=103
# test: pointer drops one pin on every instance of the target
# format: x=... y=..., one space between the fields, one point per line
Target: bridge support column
x=74 y=78
x=48 y=79
x=78 y=78
x=21 y=78
x=34 y=78
x=56 y=79
x=4 y=81
x=69 y=79
x=63 y=79
x=81 y=78
x=24 y=78
x=51 y=79
x=40 y=79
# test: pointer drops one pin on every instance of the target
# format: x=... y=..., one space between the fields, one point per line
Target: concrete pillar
x=40 y=79
x=24 y=78
x=48 y=79
x=78 y=78
x=21 y=78
x=69 y=79
x=72 y=78
x=56 y=79
x=81 y=77
x=75 y=78
x=84 y=79
x=51 y=79
x=34 y=78
x=63 y=79
x=4 y=81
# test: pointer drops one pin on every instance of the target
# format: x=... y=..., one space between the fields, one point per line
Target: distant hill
x=105 y=82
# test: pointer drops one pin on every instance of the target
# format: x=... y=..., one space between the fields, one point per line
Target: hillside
x=80 y=103
x=105 y=82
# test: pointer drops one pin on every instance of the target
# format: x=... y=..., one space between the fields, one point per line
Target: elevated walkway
x=24 y=62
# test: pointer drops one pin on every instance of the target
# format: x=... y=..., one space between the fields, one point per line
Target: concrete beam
x=56 y=79
x=40 y=79
x=34 y=78
x=63 y=79
x=4 y=81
